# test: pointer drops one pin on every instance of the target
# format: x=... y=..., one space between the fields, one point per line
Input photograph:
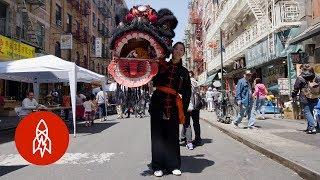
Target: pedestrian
x=317 y=115
x=119 y=100
x=80 y=98
x=209 y=99
x=308 y=86
x=66 y=102
x=130 y=100
x=260 y=94
x=216 y=98
x=244 y=100
x=88 y=109
x=29 y=104
x=102 y=98
x=169 y=103
x=193 y=111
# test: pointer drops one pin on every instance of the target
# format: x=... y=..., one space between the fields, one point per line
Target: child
x=88 y=108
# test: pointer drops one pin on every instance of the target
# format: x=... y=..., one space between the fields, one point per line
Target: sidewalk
x=280 y=139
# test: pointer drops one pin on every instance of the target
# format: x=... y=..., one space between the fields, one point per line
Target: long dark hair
x=177 y=43
x=184 y=49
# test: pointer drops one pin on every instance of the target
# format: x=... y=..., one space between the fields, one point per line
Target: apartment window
x=78 y=26
x=69 y=55
x=93 y=43
x=69 y=23
x=85 y=59
x=3 y=20
x=92 y=66
x=40 y=33
x=94 y=19
x=58 y=15
x=57 y=49
x=103 y=51
x=98 y=68
x=78 y=58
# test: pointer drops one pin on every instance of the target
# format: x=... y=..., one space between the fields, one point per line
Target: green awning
x=210 y=79
x=310 y=32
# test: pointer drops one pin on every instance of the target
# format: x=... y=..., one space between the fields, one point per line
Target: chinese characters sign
x=13 y=50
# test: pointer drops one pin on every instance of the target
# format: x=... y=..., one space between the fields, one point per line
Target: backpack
x=312 y=89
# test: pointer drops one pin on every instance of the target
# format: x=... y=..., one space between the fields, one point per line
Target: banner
x=98 y=47
x=14 y=50
x=66 y=41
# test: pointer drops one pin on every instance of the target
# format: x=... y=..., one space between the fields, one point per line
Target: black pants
x=186 y=131
x=165 y=148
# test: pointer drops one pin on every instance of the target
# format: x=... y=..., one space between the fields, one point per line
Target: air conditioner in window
x=59 y=23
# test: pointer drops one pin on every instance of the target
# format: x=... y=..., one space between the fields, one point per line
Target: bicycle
x=225 y=110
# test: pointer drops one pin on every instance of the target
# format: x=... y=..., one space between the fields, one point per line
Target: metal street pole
x=221 y=54
x=224 y=103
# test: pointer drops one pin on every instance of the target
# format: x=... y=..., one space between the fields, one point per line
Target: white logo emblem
x=41 y=141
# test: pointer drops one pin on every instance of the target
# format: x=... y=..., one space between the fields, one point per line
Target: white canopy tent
x=49 y=69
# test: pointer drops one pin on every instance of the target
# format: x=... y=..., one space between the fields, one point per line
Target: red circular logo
x=42 y=138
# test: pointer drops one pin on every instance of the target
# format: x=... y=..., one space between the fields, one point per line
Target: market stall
x=49 y=69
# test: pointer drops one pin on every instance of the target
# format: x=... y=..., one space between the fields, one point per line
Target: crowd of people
x=177 y=99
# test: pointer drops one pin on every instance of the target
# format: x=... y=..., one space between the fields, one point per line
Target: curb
x=301 y=170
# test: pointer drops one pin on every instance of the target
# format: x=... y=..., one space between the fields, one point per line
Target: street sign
x=98 y=47
x=66 y=41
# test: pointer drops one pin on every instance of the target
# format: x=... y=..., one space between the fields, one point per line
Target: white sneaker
x=189 y=146
x=158 y=173
x=176 y=172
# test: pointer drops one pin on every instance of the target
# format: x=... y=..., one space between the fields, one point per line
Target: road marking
x=68 y=158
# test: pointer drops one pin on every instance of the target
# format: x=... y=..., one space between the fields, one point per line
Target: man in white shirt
x=101 y=103
x=28 y=105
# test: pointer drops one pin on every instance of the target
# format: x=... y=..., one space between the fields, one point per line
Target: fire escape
x=196 y=43
x=28 y=31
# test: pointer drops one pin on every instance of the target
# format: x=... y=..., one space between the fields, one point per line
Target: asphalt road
x=120 y=149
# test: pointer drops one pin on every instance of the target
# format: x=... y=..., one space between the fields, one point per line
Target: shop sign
x=257 y=55
x=239 y=64
x=13 y=50
x=272 y=73
x=296 y=58
x=98 y=45
x=66 y=41
x=284 y=86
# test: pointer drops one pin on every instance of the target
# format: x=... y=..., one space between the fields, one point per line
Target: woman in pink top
x=260 y=94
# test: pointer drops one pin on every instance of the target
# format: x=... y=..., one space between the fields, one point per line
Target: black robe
x=164 y=116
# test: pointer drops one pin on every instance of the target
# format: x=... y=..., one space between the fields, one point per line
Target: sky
x=178 y=7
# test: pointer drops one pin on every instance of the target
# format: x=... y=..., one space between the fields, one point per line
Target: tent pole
x=73 y=90
x=103 y=86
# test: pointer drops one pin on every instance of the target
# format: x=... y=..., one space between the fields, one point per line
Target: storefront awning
x=210 y=79
x=310 y=32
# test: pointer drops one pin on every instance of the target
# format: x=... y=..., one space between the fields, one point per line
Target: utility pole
x=221 y=54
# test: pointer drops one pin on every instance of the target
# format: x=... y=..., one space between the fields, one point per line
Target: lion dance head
x=142 y=36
